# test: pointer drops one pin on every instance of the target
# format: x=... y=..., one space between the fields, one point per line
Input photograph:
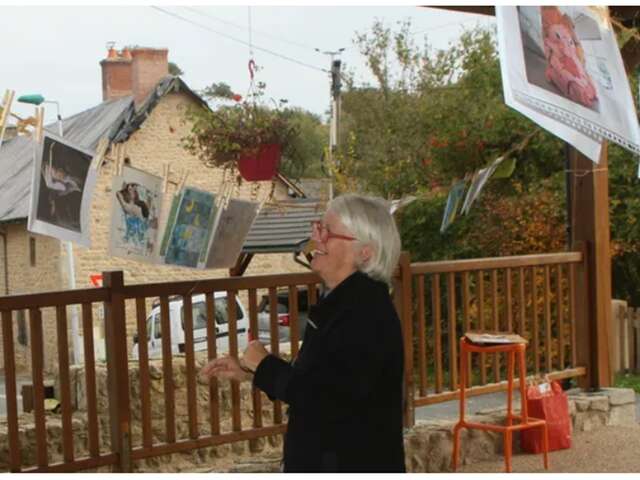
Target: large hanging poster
x=231 y=230
x=61 y=190
x=189 y=227
x=562 y=68
x=136 y=204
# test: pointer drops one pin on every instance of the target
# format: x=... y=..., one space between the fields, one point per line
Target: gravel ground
x=608 y=449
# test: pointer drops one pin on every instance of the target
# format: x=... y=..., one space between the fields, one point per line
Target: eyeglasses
x=324 y=234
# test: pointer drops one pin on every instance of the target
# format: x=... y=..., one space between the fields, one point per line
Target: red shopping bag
x=547 y=401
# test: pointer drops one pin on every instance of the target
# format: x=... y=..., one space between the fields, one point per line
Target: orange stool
x=524 y=420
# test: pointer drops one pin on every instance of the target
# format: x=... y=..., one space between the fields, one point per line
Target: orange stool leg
x=456 y=446
x=523 y=380
x=510 y=362
x=545 y=445
x=507 y=450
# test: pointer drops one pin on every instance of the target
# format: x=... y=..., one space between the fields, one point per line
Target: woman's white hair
x=369 y=220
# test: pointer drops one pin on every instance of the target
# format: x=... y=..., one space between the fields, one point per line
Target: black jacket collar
x=341 y=298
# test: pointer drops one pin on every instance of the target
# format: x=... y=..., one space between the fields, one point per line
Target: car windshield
x=199 y=313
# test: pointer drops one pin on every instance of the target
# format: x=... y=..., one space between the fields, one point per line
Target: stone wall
x=25 y=276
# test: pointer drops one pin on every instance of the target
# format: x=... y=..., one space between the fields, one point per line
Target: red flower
x=237 y=97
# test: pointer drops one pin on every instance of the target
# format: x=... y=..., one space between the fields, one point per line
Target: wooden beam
x=242 y=263
x=590 y=231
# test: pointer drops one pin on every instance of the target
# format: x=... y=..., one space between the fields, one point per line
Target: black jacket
x=344 y=390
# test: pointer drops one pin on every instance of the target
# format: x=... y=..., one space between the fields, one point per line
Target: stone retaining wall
x=429 y=444
x=220 y=457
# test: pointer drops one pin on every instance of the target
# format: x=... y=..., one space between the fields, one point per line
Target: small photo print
x=136 y=204
x=61 y=190
x=63 y=173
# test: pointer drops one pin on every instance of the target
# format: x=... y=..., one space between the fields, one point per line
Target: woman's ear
x=366 y=252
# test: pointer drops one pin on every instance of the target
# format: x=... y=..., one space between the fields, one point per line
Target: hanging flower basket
x=262 y=164
x=247 y=135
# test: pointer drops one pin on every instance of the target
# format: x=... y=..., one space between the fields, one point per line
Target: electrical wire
x=426 y=30
x=240 y=27
x=270 y=52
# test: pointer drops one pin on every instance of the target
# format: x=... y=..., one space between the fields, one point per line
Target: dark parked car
x=284 y=319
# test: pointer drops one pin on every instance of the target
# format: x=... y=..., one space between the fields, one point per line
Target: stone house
x=143 y=108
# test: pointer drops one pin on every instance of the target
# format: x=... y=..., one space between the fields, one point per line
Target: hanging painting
x=189 y=227
x=136 y=204
x=456 y=194
x=231 y=230
x=562 y=68
x=478 y=181
x=61 y=190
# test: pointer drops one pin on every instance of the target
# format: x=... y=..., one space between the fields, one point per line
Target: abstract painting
x=189 y=229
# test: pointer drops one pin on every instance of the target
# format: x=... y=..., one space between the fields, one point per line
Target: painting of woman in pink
x=565 y=58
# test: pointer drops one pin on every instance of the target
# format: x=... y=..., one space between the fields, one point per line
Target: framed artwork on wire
x=135 y=211
x=61 y=190
x=188 y=227
x=230 y=231
x=561 y=67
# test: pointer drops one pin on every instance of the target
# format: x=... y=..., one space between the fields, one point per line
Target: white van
x=199 y=309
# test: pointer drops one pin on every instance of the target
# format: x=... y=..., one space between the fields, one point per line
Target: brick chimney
x=133 y=72
x=116 y=75
x=149 y=66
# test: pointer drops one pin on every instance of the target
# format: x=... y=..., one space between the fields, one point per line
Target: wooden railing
x=532 y=295
x=58 y=302
x=120 y=451
x=437 y=301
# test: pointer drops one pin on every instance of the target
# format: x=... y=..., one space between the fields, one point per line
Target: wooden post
x=117 y=370
x=590 y=232
x=402 y=297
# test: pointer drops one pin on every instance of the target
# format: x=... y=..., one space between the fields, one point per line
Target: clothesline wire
x=240 y=27
x=230 y=37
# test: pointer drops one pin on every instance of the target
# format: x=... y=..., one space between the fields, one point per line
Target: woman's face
x=334 y=259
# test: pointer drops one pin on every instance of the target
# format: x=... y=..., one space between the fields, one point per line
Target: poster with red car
x=562 y=68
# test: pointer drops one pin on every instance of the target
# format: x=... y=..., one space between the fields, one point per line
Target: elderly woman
x=344 y=390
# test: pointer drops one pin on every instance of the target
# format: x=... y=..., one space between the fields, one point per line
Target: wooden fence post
x=117 y=369
x=402 y=298
x=590 y=224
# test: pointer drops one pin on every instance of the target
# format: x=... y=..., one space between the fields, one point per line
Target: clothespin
x=165 y=177
x=4 y=113
x=183 y=180
x=39 y=133
x=121 y=156
x=101 y=151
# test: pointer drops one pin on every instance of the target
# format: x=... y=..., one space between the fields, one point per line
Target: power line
x=444 y=26
x=270 y=52
x=235 y=25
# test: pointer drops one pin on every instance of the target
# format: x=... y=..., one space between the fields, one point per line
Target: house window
x=32 y=251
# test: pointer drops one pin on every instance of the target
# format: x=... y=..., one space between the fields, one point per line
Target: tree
x=433 y=116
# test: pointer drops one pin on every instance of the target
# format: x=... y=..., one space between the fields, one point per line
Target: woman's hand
x=227 y=368
x=254 y=354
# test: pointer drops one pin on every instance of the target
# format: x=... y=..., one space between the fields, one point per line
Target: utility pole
x=336 y=86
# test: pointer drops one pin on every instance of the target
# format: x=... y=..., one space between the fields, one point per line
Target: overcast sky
x=56 y=50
